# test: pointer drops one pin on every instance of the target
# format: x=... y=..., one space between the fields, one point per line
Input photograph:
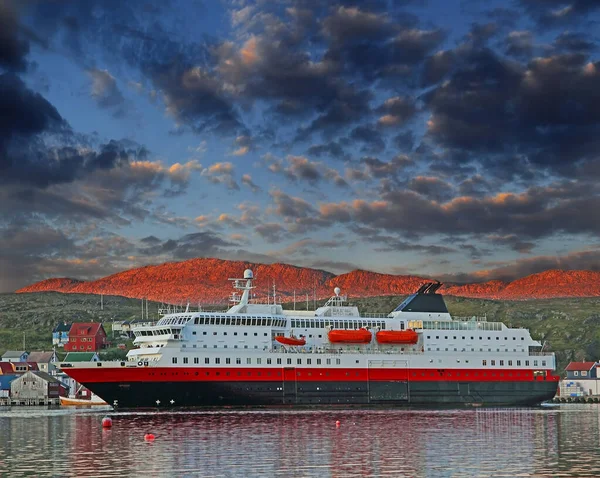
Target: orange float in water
x=356 y=336
x=106 y=422
x=291 y=340
x=397 y=337
x=149 y=437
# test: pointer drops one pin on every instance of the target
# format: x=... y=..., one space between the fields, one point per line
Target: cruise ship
x=257 y=354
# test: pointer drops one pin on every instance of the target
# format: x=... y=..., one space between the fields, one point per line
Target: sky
x=452 y=139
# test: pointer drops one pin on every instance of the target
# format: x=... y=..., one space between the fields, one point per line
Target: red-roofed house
x=582 y=379
x=576 y=370
x=86 y=337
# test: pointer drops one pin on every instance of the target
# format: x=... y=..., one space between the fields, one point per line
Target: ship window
x=338 y=361
x=308 y=361
x=204 y=346
x=258 y=361
x=289 y=361
x=268 y=361
x=514 y=338
x=522 y=338
x=445 y=336
x=484 y=363
x=238 y=360
x=227 y=360
x=535 y=363
x=510 y=363
x=248 y=361
x=217 y=360
x=526 y=363
x=437 y=336
x=544 y=364
x=428 y=337
x=318 y=361
x=203 y=333
x=320 y=336
x=454 y=338
x=518 y=363
x=299 y=361
x=174 y=360
x=278 y=361
x=185 y=360
x=194 y=333
x=256 y=334
x=206 y=360
x=497 y=338
x=235 y=333
x=196 y=360
x=224 y=333
x=245 y=333
x=328 y=361
x=265 y=334
x=214 y=333
x=501 y=363
x=493 y=362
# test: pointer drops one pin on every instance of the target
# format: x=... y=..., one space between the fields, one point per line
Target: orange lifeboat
x=291 y=340
x=360 y=336
x=397 y=337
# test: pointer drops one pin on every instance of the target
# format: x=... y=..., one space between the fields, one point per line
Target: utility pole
x=294 y=299
x=307 y=301
x=101 y=301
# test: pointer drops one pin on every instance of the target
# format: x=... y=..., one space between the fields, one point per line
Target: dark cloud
x=432 y=188
x=271 y=232
x=14 y=45
x=396 y=111
x=558 y=13
x=437 y=66
x=574 y=42
x=519 y=44
x=370 y=138
x=512 y=241
x=199 y=244
x=386 y=169
x=332 y=149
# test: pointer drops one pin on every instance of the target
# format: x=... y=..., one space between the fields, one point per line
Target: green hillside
x=569 y=327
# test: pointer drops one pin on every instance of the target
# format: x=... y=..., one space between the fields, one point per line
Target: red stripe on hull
x=189 y=374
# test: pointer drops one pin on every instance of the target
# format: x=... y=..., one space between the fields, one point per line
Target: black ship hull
x=391 y=393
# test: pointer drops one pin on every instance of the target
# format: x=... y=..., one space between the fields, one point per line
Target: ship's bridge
x=335 y=307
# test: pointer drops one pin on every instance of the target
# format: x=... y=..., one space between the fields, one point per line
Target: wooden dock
x=31 y=402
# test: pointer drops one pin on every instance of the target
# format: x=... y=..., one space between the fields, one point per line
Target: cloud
x=247 y=181
x=14 y=46
x=221 y=173
x=106 y=92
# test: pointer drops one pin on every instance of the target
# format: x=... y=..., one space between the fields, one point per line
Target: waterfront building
x=36 y=386
x=88 y=337
x=582 y=379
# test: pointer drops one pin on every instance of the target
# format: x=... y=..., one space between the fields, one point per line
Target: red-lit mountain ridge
x=205 y=280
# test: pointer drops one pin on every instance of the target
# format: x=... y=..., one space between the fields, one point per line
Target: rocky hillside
x=205 y=280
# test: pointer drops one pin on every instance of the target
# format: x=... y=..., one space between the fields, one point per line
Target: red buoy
x=106 y=422
x=149 y=437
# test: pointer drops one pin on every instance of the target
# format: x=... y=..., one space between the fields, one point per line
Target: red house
x=86 y=337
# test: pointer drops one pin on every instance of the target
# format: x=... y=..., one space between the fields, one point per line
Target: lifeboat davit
x=397 y=337
x=359 y=336
x=290 y=340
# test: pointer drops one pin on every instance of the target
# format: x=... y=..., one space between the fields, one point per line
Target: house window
x=576 y=373
x=583 y=372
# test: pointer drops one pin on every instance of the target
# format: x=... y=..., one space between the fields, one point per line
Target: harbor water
x=524 y=442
